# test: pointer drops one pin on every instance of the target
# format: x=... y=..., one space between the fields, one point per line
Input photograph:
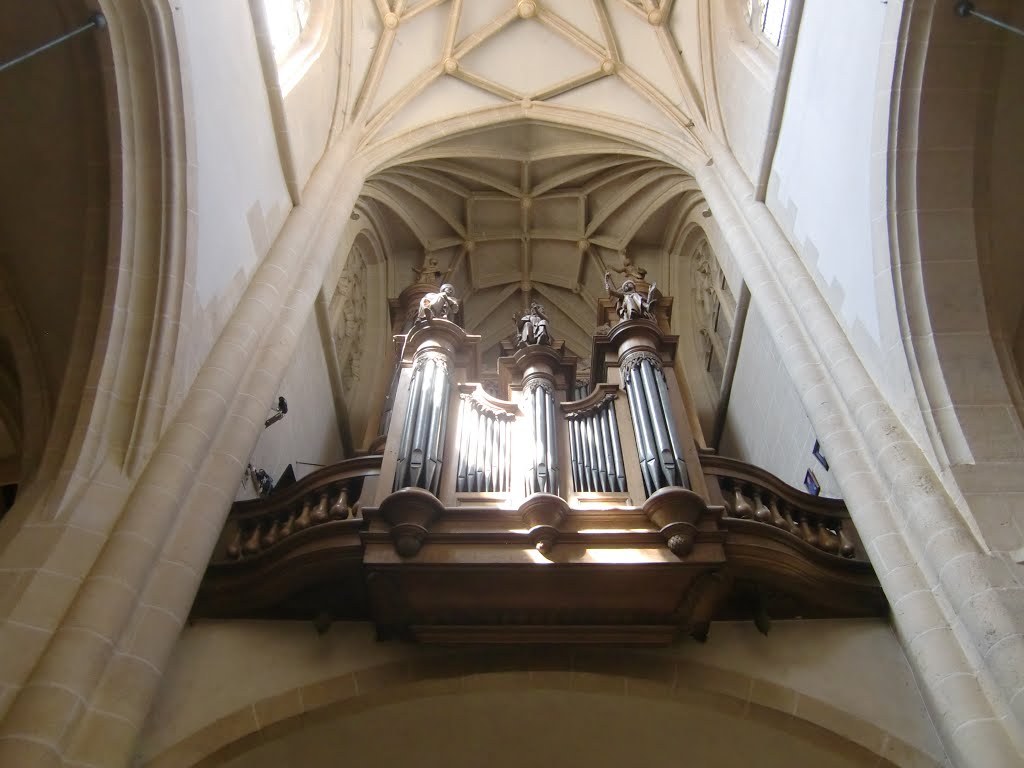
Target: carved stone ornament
x=630 y=303
x=440 y=304
x=532 y=327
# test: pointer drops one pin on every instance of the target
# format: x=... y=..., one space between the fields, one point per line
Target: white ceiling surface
x=527 y=211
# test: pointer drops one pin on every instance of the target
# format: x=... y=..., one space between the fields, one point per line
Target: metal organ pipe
x=657 y=438
x=419 y=456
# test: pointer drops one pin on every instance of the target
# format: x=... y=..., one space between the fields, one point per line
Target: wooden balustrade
x=330 y=494
x=753 y=494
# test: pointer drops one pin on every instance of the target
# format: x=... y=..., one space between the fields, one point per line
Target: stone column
x=926 y=559
x=88 y=694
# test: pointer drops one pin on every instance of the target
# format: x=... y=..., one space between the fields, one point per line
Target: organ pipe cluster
x=485 y=448
x=596 y=450
x=657 y=441
x=420 y=451
x=542 y=453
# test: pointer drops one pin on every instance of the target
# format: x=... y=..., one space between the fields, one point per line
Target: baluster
x=302 y=521
x=807 y=531
x=777 y=519
x=320 y=513
x=827 y=539
x=339 y=511
x=728 y=500
x=270 y=535
x=288 y=526
x=761 y=513
x=234 y=548
x=791 y=525
x=252 y=541
x=846 y=548
x=742 y=507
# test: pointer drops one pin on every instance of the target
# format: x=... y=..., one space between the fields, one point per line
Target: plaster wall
x=309 y=432
x=745 y=71
x=857 y=666
x=766 y=424
x=827 y=124
x=238 y=200
x=837 y=118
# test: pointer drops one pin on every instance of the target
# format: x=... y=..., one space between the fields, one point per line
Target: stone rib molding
x=928 y=585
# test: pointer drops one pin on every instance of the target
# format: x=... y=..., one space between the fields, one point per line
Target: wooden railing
x=329 y=494
x=753 y=494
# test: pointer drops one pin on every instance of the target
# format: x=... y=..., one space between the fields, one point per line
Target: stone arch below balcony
x=344 y=680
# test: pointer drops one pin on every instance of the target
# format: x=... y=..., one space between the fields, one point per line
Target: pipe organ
x=450 y=533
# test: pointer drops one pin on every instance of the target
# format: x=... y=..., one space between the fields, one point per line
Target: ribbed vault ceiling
x=529 y=212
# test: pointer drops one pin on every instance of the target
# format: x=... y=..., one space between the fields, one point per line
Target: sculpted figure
x=631 y=304
x=440 y=304
x=532 y=327
x=430 y=272
x=627 y=268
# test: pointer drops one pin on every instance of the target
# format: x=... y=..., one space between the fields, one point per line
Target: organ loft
x=532 y=504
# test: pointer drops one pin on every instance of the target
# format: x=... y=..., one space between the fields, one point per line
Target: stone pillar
x=85 y=699
x=927 y=561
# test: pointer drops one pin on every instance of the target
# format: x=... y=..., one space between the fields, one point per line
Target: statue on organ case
x=532 y=327
x=630 y=303
x=440 y=304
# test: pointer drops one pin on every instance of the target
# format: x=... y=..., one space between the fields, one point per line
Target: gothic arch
x=956 y=290
x=633 y=676
x=675 y=150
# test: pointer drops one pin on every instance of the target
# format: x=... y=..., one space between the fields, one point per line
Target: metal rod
x=441 y=431
x=97 y=21
x=432 y=448
x=502 y=454
x=552 y=440
x=540 y=436
x=606 y=448
x=647 y=431
x=591 y=454
x=965 y=9
x=659 y=423
x=620 y=469
x=417 y=456
x=407 y=431
x=650 y=483
x=460 y=469
x=438 y=429
x=481 y=450
x=673 y=433
x=574 y=455
x=489 y=453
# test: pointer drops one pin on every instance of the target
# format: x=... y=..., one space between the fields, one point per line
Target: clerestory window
x=286 y=20
x=766 y=18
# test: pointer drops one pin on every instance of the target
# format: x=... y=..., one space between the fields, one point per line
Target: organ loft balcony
x=552 y=508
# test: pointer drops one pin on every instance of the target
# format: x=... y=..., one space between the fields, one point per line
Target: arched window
x=286 y=19
x=767 y=18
